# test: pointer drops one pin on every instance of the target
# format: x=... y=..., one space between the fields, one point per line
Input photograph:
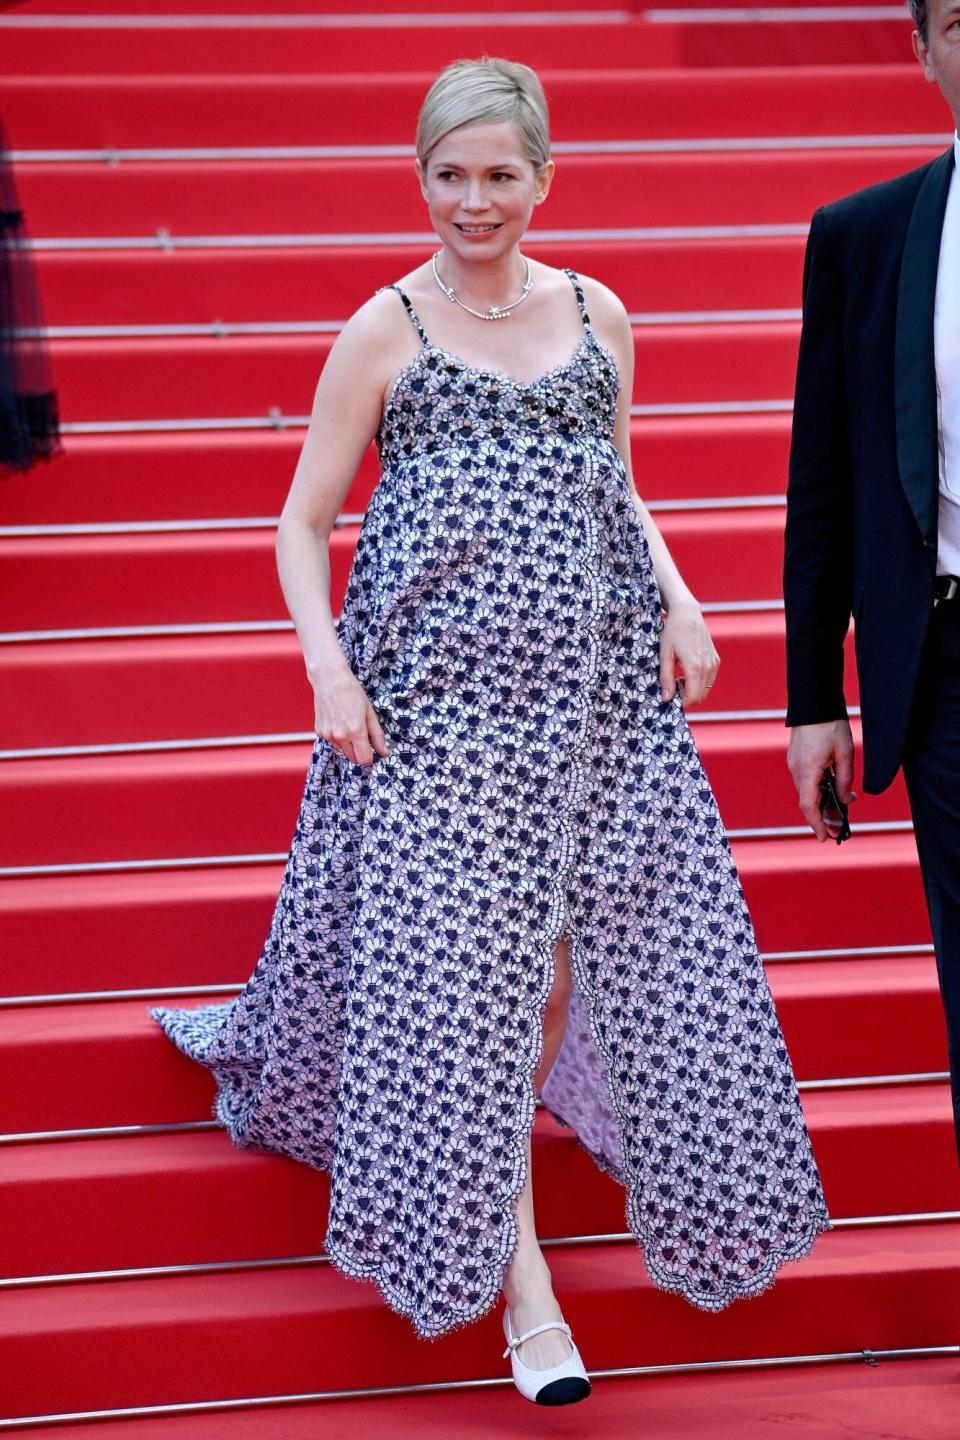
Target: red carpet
x=701 y=150
x=636 y=37
x=613 y=98
x=817 y=1402
x=273 y=283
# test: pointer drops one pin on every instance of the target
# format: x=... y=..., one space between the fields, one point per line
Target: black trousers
x=931 y=768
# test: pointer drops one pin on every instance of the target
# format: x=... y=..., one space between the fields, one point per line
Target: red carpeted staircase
x=208 y=206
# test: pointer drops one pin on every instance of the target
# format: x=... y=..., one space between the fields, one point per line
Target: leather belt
x=946 y=587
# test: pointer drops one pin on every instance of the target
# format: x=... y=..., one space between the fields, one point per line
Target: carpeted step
x=108 y=1062
x=329 y=8
x=206 y=924
x=238 y=376
x=827 y=1401
x=323 y=108
x=553 y=10
x=222 y=1203
x=123 y=691
x=244 y=799
x=350 y=48
x=420 y=50
x=190 y=1196
x=201 y=576
x=223 y=474
x=250 y=283
x=367 y=196
x=76 y=1347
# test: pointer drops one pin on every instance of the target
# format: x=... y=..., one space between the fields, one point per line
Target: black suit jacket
x=863 y=491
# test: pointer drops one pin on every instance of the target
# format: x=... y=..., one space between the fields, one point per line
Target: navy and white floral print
x=503 y=616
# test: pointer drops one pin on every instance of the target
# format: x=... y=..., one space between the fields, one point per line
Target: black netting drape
x=29 y=420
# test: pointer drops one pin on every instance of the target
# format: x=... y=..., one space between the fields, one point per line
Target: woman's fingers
x=377 y=737
x=345 y=718
x=668 y=678
x=686 y=647
x=699 y=674
x=700 y=680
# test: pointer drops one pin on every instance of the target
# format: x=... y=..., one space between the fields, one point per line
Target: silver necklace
x=495 y=312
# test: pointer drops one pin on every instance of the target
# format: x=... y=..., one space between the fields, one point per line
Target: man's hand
x=812 y=748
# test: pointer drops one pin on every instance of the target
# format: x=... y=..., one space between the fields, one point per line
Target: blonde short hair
x=488 y=91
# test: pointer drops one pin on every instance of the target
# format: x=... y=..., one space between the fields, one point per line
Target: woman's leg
x=528 y=1286
x=555 y=1016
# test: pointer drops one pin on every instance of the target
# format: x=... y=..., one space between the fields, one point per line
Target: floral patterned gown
x=503 y=616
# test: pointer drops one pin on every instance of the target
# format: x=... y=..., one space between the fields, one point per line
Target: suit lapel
x=916 y=376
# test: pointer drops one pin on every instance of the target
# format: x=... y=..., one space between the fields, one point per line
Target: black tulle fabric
x=29 y=411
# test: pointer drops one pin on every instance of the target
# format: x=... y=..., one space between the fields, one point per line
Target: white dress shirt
x=946 y=344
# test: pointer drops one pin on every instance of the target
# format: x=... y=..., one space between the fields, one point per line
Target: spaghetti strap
x=415 y=319
x=574 y=279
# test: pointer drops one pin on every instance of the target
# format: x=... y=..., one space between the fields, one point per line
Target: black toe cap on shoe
x=564 y=1392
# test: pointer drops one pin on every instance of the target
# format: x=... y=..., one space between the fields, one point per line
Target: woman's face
x=481 y=189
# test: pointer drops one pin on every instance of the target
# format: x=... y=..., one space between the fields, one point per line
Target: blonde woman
x=508 y=863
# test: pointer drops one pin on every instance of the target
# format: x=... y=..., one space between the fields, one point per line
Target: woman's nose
x=474 y=197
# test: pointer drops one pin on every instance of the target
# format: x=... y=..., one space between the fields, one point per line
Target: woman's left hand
x=685 y=646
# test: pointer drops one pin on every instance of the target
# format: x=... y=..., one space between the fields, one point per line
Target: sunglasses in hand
x=833 y=812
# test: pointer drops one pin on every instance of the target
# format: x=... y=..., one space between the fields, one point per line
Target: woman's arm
x=346 y=412
x=685 y=640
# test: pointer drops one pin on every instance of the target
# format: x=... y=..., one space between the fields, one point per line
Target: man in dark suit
x=873 y=505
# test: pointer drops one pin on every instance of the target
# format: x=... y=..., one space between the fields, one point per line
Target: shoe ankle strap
x=537 y=1330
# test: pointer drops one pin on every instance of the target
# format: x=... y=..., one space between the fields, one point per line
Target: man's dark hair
x=918 y=9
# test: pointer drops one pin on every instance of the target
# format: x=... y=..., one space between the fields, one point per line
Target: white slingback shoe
x=560 y=1385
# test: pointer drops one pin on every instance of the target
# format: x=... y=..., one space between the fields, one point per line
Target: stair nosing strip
x=102 y=632
x=222 y=329
x=432 y=1387
x=281 y=422
x=104 y=1132
x=147 y=747
x=775 y=15
x=276 y=419
x=164 y=239
x=191 y=862
x=290 y=1262
x=233 y=627
x=288 y=737
x=666 y=145
x=682 y=505
x=778 y=832
x=79 y=997
x=344 y=20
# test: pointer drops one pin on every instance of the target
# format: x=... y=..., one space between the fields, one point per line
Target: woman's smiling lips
x=484 y=229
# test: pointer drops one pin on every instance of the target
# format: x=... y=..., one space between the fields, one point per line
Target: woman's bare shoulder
x=611 y=325
x=380 y=315
x=603 y=304
x=375 y=340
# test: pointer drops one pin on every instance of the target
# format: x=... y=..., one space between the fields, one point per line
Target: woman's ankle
x=528 y=1275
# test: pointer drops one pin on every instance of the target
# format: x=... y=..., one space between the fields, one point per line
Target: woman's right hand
x=344 y=716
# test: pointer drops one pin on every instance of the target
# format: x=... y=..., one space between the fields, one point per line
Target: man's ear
x=923 y=56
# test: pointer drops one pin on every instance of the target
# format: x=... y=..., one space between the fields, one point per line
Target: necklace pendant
x=495 y=312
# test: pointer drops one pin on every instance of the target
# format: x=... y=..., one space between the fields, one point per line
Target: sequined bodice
x=438 y=399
